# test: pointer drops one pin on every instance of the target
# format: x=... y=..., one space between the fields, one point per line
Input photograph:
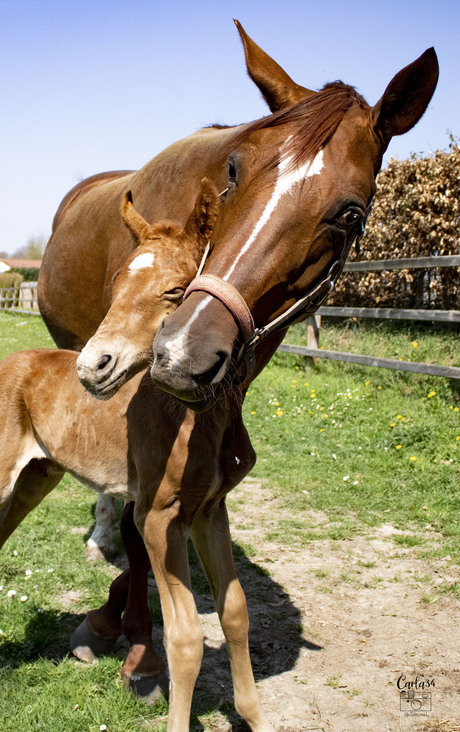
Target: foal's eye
x=174 y=295
x=349 y=218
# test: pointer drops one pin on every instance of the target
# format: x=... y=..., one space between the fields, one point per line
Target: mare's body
x=299 y=187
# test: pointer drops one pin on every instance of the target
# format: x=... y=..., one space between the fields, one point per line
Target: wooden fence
x=450 y=316
x=22 y=299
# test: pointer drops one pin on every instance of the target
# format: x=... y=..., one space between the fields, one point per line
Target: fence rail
x=378 y=265
x=22 y=299
x=314 y=324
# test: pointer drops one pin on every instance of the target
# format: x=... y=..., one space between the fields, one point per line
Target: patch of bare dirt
x=335 y=625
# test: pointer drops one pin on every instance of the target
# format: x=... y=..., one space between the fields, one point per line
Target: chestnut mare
x=298 y=186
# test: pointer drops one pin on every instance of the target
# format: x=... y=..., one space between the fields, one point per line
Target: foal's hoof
x=148 y=688
x=87 y=645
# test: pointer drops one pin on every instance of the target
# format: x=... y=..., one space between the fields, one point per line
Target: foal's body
x=50 y=425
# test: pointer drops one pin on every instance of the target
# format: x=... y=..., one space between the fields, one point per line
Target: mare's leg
x=143 y=670
x=165 y=537
x=34 y=482
x=100 y=544
x=211 y=537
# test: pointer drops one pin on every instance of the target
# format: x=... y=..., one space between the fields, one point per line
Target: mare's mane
x=317 y=118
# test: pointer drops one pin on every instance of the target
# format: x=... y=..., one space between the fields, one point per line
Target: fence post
x=314 y=325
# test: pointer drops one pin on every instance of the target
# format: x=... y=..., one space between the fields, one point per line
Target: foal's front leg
x=165 y=537
x=211 y=537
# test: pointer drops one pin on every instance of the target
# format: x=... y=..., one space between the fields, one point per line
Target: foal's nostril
x=103 y=361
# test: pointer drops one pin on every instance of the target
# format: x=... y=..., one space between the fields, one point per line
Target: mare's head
x=300 y=183
x=149 y=286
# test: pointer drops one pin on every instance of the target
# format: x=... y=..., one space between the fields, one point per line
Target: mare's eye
x=231 y=172
x=174 y=295
x=349 y=218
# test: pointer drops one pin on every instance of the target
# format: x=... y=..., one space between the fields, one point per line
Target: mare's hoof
x=148 y=688
x=87 y=645
x=98 y=552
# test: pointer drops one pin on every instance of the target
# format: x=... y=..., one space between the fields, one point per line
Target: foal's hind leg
x=34 y=482
x=211 y=537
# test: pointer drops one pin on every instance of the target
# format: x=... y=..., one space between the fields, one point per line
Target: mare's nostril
x=207 y=377
x=103 y=361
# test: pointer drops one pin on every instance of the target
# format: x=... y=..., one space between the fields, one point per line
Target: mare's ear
x=406 y=97
x=133 y=220
x=201 y=220
x=278 y=89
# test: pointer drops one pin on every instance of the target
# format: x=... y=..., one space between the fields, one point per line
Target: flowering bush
x=416 y=213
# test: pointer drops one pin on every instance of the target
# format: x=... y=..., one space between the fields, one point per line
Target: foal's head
x=148 y=287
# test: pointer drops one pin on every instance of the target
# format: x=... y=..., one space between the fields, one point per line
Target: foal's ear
x=278 y=89
x=133 y=220
x=406 y=97
x=201 y=220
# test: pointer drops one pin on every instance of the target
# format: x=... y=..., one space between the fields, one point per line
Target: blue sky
x=100 y=85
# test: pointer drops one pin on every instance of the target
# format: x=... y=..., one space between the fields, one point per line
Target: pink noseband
x=229 y=296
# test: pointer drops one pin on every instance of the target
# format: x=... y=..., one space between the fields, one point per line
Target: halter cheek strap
x=236 y=305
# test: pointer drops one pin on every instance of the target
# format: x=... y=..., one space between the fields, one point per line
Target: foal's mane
x=317 y=118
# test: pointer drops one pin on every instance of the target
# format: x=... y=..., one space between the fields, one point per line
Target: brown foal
x=49 y=423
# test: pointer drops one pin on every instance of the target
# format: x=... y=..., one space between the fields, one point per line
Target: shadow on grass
x=275 y=636
x=46 y=636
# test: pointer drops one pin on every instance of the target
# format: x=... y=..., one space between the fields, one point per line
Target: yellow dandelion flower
x=399 y=416
x=306 y=383
x=398 y=447
x=322 y=429
x=294 y=381
x=456 y=409
x=413 y=458
x=379 y=387
x=393 y=424
x=286 y=431
x=279 y=412
x=431 y=394
x=414 y=344
x=367 y=383
x=253 y=412
x=458 y=438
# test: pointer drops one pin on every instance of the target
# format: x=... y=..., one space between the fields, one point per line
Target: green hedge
x=416 y=213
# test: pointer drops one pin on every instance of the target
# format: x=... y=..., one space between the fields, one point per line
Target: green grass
x=19 y=333
x=327 y=438
x=366 y=445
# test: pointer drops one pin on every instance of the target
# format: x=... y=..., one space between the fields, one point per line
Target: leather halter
x=307 y=305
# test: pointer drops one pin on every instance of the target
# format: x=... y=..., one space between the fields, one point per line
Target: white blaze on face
x=285 y=182
x=142 y=261
x=176 y=345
